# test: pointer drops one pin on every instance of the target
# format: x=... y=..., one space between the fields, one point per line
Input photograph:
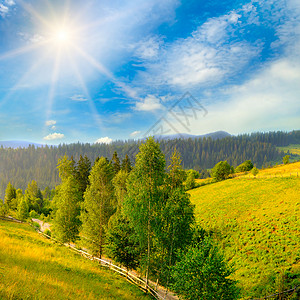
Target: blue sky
x=87 y=70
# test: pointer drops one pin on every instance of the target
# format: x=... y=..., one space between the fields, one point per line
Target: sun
x=62 y=36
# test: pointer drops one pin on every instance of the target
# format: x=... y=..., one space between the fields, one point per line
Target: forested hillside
x=21 y=166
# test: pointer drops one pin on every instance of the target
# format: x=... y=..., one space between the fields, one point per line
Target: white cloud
x=118 y=117
x=10 y=2
x=135 y=133
x=3 y=10
x=53 y=128
x=79 y=98
x=104 y=140
x=211 y=54
x=50 y=122
x=267 y=102
x=54 y=136
x=148 y=48
x=150 y=103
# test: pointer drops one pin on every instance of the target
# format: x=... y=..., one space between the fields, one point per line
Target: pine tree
x=126 y=164
x=23 y=210
x=10 y=194
x=83 y=170
x=98 y=206
x=176 y=173
x=115 y=161
x=34 y=197
x=122 y=244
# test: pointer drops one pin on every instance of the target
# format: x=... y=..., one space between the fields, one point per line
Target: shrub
x=286 y=159
x=47 y=232
x=254 y=171
x=33 y=214
x=221 y=170
x=244 y=167
x=36 y=226
x=202 y=273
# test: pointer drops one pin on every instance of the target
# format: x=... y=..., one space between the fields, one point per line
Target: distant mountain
x=18 y=144
x=214 y=135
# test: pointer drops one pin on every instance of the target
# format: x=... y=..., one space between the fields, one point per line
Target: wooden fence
x=141 y=283
x=280 y=295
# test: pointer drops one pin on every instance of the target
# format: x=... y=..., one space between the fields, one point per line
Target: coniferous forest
x=39 y=163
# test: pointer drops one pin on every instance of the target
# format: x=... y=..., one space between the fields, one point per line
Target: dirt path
x=42 y=224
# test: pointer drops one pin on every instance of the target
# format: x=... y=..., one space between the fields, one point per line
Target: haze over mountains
x=214 y=135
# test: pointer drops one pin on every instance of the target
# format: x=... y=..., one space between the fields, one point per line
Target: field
x=293 y=149
x=256 y=222
x=32 y=267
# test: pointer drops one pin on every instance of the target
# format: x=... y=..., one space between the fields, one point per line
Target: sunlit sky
x=106 y=70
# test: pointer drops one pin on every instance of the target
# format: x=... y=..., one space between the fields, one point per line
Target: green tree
x=145 y=196
x=202 y=273
x=3 y=208
x=176 y=219
x=254 y=171
x=119 y=183
x=115 y=161
x=286 y=159
x=176 y=173
x=98 y=206
x=34 y=197
x=122 y=243
x=10 y=194
x=66 y=167
x=221 y=170
x=126 y=164
x=82 y=171
x=66 y=220
x=190 y=182
x=244 y=167
x=23 y=210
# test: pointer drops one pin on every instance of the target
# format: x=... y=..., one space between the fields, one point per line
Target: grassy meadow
x=32 y=267
x=293 y=149
x=257 y=223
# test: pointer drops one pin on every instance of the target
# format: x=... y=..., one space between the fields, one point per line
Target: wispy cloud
x=135 y=133
x=50 y=122
x=79 y=98
x=5 y=7
x=54 y=136
x=205 y=58
x=104 y=140
x=148 y=48
x=3 y=10
x=149 y=103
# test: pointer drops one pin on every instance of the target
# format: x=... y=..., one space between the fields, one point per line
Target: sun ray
x=93 y=62
x=24 y=78
x=54 y=78
x=34 y=13
x=86 y=92
x=128 y=90
x=23 y=50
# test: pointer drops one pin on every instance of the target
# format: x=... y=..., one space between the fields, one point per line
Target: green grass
x=256 y=222
x=32 y=267
x=293 y=149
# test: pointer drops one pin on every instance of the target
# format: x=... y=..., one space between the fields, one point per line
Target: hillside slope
x=256 y=221
x=32 y=267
